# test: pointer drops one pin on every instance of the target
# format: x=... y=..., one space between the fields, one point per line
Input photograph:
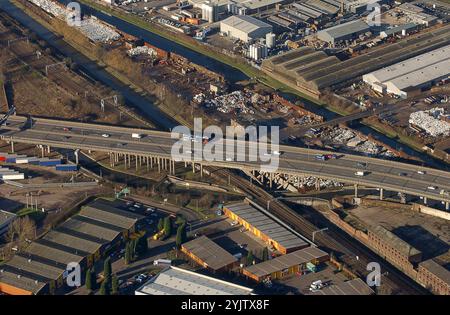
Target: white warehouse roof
x=412 y=72
x=177 y=281
x=245 y=23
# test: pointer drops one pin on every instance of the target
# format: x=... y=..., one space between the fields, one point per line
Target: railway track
x=334 y=240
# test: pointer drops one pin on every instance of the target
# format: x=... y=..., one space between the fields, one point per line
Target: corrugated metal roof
x=345 y=29
x=298 y=257
x=245 y=23
x=266 y=225
x=177 y=281
x=209 y=252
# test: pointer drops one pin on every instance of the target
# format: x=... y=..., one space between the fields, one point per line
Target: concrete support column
x=159 y=165
x=48 y=149
x=201 y=170
x=356 y=190
x=447 y=206
x=136 y=162
x=146 y=161
x=425 y=200
x=193 y=167
x=12 y=146
x=381 y=193
x=42 y=151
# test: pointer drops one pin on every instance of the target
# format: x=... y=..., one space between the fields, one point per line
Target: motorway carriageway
x=390 y=175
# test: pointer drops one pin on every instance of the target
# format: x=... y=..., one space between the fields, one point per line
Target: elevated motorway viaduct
x=154 y=149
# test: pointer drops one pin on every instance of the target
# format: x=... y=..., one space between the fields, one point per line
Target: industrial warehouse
x=208 y=254
x=342 y=32
x=178 y=281
x=286 y=265
x=83 y=239
x=244 y=27
x=264 y=227
x=411 y=75
x=322 y=71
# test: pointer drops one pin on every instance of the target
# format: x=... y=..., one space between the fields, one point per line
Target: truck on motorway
x=320 y=157
x=136 y=135
x=360 y=173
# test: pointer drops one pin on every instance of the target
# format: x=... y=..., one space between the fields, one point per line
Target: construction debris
x=432 y=121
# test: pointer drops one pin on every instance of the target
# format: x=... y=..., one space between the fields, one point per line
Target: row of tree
x=110 y=283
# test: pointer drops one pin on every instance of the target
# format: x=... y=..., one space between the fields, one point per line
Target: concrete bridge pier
x=381 y=193
x=425 y=200
x=193 y=167
x=159 y=165
x=12 y=146
x=42 y=151
x=48 y=149
x=356 y=190
x=447 y=206
x=137 y=162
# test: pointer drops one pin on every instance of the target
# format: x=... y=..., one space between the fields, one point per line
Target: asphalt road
x=390 y=175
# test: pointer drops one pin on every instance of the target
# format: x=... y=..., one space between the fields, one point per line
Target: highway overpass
x=154 y=149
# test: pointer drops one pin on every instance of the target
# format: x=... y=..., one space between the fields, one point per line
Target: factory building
x=403 y=30
x=208 y=254
x=434 y=276
x=330 y=72
x=342 y=32
x=392 y=248
x=84 y=238
x=416 y=14
x=411 y=75
x=264 y=227
x=245 y=28
x=286 y=265
x=178 y=281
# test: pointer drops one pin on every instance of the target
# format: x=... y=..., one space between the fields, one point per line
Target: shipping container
x=21 y=160
x=2 y=158
x=13 y=176
x=52 y=162
x=66 y=167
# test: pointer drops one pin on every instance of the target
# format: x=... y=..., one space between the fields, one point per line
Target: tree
x=128 y=254
x=107 y=269
x=265 y=254
x=21 y=232
x=167 y=227
x=141 y=245
x=160 y=224
x=250 y=258
x=181 y=235
x=114 y=285
x=90 y=280
x=104 y=288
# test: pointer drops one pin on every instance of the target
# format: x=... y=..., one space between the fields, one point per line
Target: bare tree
x=21 y=231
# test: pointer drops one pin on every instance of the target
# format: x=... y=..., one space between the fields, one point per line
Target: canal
x=145 y=105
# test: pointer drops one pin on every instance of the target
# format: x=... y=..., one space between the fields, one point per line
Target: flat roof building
x=411 y=74
x=177 y=281
x=345 y=31
x=285 y=265
x=208 y=254
x=351 y=287
x=244 y=27
x=398 y=30
x=264 y=227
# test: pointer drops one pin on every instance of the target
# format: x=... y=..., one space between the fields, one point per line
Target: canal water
x=150 y=110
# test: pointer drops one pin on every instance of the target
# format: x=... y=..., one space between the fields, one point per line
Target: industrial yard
x=88 y=172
